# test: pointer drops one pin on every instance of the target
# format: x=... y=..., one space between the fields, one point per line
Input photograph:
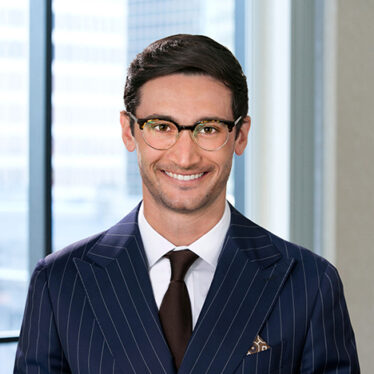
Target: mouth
x=184 y=177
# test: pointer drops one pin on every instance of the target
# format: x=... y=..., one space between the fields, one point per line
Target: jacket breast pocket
x=271 y=361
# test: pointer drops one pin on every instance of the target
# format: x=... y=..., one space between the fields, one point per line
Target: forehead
x=185 y=97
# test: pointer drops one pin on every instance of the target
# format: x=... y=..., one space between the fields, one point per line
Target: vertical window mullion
x=306 y=124
x=40 y=130
x=240 y=44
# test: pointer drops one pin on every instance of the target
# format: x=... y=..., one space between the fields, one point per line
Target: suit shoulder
x=290 y=249
x=309 y=267
x=303 y=256
x=307 y=261
x=76 y=249
x=63 y=258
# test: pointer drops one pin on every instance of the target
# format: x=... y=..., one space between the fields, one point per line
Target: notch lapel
x=249 y=275
x=115 y=278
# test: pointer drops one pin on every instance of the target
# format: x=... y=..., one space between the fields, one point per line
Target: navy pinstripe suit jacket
x=90 y=309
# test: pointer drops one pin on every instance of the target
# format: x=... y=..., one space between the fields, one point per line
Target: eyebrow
x=171 y=119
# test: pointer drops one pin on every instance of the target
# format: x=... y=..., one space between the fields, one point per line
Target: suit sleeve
x=39 y=349
x=330 y=346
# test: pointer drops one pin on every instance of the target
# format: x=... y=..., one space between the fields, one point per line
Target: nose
x=185 y=152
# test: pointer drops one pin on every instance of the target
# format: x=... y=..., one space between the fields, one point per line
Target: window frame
x=40 y=114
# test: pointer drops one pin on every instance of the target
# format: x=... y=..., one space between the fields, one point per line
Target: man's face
x=184 y=178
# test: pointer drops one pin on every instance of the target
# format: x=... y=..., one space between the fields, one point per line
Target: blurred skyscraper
x=89 y=160
x=14 y=76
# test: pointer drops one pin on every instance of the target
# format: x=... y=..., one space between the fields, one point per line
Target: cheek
x=226 y=166
x=225 y=158
x=146 y=156
x=140 y=157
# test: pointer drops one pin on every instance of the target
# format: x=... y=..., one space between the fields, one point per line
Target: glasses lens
x=211 y=135
x=159 y=134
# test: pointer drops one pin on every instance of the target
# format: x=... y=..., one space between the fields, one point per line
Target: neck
x=183 y=228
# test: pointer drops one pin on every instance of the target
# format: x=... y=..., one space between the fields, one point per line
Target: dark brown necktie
x=175 y=310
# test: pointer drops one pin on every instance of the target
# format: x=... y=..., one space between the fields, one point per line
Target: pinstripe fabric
x=90 y=309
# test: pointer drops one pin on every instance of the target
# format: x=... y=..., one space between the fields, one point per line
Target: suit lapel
x=115 y=278
x=248 y=278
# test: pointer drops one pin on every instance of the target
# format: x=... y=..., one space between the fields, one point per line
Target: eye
x=162 y=127
x=210 y=128
x=159 y=125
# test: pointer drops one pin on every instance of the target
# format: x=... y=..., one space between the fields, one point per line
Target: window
x=14 y=76
x=95 y=180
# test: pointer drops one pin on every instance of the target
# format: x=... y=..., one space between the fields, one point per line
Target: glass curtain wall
x=88 y=163
x=14 y=36
x=95 y=180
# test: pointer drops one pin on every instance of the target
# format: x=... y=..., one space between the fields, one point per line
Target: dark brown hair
x=187 y=54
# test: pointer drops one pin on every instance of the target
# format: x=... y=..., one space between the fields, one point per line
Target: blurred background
x=307 y=173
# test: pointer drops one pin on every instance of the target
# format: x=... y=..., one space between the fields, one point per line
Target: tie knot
x=180 y=262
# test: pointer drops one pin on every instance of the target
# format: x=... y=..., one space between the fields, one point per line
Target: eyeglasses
x=162 y=134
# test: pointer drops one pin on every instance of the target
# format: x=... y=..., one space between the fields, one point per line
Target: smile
x=181 y=177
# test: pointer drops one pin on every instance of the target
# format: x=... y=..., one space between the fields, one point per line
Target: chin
x=186 y=205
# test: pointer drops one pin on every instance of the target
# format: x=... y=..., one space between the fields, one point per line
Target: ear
x=127 y=138
x=242 y=137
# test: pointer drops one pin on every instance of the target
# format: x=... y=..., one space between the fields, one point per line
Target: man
x=185 y=282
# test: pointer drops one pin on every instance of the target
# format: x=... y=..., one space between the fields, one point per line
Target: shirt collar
x=208 y=247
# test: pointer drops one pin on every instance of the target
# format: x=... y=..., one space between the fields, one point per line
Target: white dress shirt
x=199 y=276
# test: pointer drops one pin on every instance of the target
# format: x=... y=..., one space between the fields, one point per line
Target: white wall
x=268 y=152
x=350 y=162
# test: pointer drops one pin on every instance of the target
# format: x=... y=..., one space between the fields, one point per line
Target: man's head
x=192 y=55
x=188 y=83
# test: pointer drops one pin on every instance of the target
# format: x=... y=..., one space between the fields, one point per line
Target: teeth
x=184 y=177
